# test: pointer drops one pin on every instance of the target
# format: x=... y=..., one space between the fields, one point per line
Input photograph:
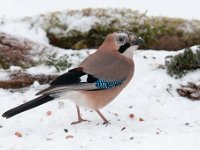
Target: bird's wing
x=73 y=79
x=105 y=71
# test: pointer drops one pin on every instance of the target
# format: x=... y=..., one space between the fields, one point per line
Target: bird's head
x=124 y=42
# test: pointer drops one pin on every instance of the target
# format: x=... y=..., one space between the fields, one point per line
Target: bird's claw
x=106 y=123
x=79 y=121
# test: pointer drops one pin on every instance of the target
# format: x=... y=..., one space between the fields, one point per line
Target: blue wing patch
x=103 y=84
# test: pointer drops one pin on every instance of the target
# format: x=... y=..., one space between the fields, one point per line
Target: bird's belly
x=100 y=98
x=90 y=99
x=77 y=97
x=93 y=99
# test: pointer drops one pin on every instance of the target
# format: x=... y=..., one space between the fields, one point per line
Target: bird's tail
x=28 y=105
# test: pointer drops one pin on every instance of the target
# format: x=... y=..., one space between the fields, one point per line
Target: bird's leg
x=79 y=117
x=105 y=121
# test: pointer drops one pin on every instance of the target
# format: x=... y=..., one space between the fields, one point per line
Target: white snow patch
x=3 y=74
x=24 y=29
x=81 y=23
x=41 y=69
x=15 y=68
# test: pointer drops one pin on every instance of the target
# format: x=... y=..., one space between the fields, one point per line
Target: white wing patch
x=84 y=78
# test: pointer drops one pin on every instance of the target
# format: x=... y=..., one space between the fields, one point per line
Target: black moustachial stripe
x=124 y=47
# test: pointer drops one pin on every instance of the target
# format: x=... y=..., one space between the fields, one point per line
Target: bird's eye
x=121 y=39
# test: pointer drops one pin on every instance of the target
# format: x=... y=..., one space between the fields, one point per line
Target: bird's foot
x=106 y=123
x=79 y=121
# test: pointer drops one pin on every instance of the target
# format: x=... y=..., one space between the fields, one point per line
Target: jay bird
x=98 y=79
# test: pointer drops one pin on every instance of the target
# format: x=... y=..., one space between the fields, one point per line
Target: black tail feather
x=28 y=105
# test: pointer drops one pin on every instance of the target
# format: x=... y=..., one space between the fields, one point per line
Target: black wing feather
x=70 y=77
x=91 y=79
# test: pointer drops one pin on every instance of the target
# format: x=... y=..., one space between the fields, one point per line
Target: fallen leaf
x=48 y=113
x=141 y=119
x=69 y=137
x=131 y=116
x=18 y=134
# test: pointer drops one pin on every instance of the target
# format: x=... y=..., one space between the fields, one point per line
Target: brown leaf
x=48 y=113
x=18 y=134
x=69 y=137
x=141 y=119
x=131 y=116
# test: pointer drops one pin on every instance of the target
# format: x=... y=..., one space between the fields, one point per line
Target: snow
x=170 y=121
x=24 y=29
x=173 y=8
x=35 y=28
x=3 y=75
x=80 y=23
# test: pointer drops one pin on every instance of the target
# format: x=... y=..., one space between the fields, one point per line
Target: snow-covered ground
x=170 y=121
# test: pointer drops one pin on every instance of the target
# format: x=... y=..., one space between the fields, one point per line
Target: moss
x=97 y=34
x=80 y=45
x=182 y=63
x=73 y=38
x=60 y=63
x=3 y=63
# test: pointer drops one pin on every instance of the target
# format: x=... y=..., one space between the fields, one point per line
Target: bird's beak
x=137 y=41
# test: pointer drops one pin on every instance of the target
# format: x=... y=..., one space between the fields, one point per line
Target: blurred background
x=165 y=25
x=187 y=9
